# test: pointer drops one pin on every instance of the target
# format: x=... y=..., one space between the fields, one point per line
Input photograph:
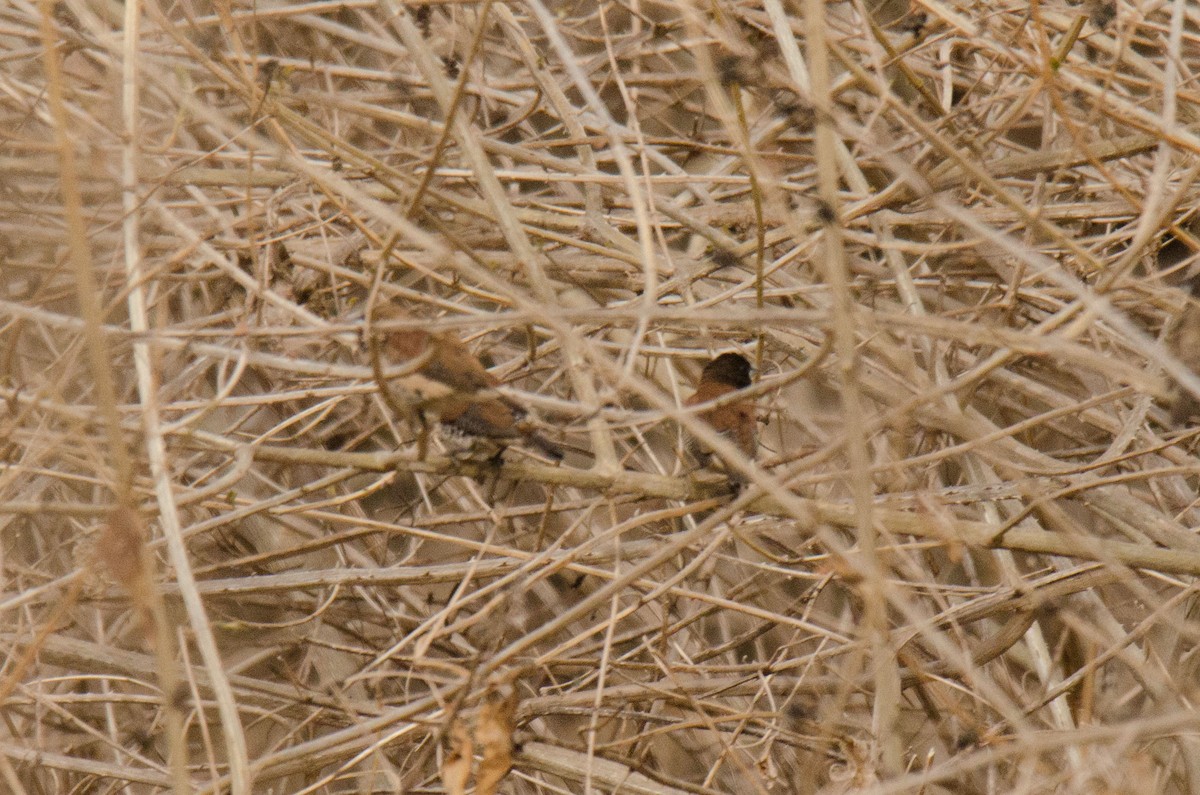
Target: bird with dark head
x=736 y=420
x=445 y=384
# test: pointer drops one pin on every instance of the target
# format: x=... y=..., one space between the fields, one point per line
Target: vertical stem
x=887 y=681
x=169 y=676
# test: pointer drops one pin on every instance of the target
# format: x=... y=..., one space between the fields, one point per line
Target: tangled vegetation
x=952 y=236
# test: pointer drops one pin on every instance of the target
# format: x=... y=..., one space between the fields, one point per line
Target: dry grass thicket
x=951 y=235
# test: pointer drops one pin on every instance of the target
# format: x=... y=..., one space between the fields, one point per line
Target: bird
x=1184 y=344
x=736 y=420
x=445 y=384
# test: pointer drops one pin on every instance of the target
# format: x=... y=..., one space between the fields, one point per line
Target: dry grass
x=951 y=236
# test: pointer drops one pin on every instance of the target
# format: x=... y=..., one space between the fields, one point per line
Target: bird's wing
x=455 y=366
x=491 y=419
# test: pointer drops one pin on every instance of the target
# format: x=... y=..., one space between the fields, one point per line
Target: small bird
x=1184 y=344
x=443 y=381
x=737 y=421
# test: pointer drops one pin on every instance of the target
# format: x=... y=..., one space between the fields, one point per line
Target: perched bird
x=738 y=420
x=1184 y=344
x=445 y=383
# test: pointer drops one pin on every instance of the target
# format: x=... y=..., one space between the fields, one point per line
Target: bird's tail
x=542 y=443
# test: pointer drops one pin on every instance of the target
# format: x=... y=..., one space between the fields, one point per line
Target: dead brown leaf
x=456 y=769
x=122 y=548
x=497 y=722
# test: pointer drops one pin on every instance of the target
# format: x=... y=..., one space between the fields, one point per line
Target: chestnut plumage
x=440 y=378
x=737 y=420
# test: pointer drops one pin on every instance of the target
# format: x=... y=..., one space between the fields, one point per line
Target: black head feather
x=728 y=368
